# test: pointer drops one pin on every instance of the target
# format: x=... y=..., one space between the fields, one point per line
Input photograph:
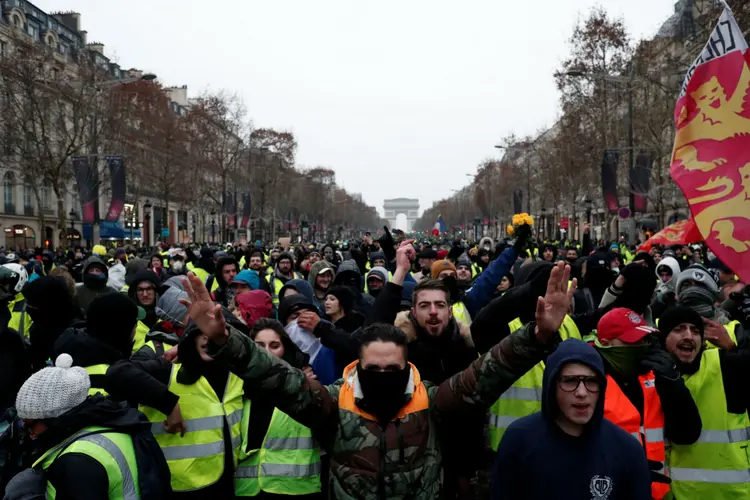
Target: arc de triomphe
x=396 y=206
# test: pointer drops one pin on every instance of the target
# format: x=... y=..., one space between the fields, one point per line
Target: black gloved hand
x=656 y=477
x=523 y=234
x=660 y=362
x=743 y=307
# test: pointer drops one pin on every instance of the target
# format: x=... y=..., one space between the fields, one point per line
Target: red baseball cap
x=624 y=324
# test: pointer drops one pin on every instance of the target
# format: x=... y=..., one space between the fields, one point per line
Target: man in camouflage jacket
x=371 y=457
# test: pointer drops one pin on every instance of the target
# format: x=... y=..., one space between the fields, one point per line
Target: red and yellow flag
x=681 y=232
x=711 y=156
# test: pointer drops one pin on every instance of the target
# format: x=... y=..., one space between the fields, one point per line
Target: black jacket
x=15 y=363
x=79 y=477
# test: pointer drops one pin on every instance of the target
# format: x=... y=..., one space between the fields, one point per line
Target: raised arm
x=494 y=372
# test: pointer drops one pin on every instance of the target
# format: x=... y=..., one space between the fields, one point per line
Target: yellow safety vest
x=276 y=289
x=287 y=463
x=141 y=330
x=201 y=273
x=158 y=347
x=19 y=318
x=524 y=397
x=717 y=465
x=196 y=460
x=461 y=313
x=476 y=270
x=113 y=450
x=100 y=369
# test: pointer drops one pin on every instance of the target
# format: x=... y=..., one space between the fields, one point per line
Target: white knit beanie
x=52 y=391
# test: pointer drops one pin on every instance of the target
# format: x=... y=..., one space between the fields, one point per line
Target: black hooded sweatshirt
x=537 y=460
x=79 y=477
x=51 y=309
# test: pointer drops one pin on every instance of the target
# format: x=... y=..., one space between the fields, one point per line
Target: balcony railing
x=10 y=209
x=27 y=210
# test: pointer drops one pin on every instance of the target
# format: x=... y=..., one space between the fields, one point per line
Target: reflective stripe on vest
x=196 y=460
x=524 y=397
x=287 y=463
x=648 y=428
x=20 y=320
x=276 y=286
x=717 y=465
x=96 y=376
x=461 y=313
x=112 y=450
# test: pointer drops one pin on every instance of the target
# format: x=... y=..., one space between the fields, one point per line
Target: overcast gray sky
x=400 y=98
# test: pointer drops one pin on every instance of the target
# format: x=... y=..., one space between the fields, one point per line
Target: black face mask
x=383 y=392
x=374 y=292
x=95 y=281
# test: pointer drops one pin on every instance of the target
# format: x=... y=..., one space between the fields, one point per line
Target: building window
x=27 y=196
x=8 y=185
x=17 y=21
x=55 y=74
x=3 y=48
x=46 y=200
x=32 y=30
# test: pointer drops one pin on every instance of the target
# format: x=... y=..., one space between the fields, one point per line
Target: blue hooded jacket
x=537 y=460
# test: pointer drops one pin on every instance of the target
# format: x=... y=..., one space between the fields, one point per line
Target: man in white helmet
x=20 y=319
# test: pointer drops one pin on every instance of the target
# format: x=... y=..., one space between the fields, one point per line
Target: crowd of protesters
x=401 y=367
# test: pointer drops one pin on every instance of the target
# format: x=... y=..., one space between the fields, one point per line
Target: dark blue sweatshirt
x=536 y=460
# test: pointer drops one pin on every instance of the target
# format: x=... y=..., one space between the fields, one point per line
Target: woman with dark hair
x=339 y=307
x=262 y=419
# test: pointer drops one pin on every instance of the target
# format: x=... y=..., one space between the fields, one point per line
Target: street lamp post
x=213 y=225
x=72 y=216
x=147 y=208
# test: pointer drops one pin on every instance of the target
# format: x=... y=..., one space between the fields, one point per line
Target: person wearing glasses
x=569 y=450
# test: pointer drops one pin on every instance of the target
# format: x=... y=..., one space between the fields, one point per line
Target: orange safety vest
x=647 y=429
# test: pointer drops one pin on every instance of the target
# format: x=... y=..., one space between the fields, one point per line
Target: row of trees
x=55 y=107
x=607 y=84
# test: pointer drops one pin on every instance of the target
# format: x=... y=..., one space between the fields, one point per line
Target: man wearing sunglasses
x=569 y=450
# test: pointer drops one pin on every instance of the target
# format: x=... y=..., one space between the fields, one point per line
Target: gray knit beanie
x=52 y=391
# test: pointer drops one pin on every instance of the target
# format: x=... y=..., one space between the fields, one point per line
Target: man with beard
x=464 y=273
x=218 y=284
x=255 y=262
x=95 y=276
x=571 y=255
x=320 y=278
x=382 y=395
x=645 y=395
x=283 y=272
x=425 y=258
x=716 y=465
